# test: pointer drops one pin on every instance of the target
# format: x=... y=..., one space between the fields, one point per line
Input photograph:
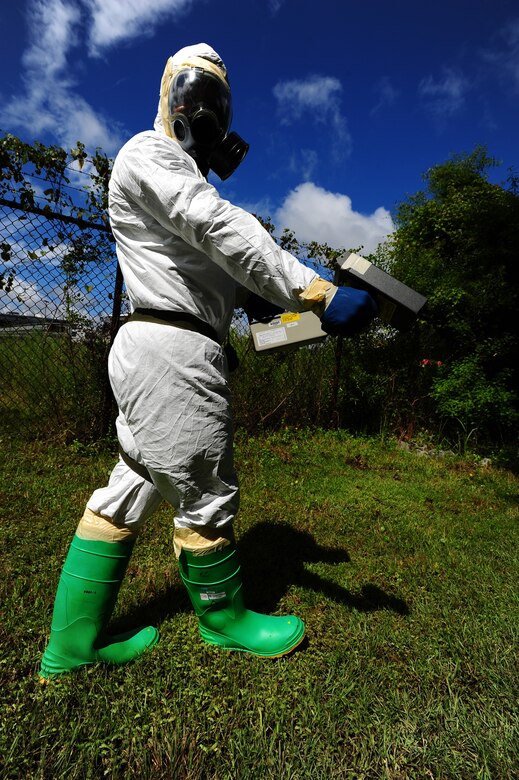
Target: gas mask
x=200 y=114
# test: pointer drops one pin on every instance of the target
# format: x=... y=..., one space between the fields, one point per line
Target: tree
x=457 y=242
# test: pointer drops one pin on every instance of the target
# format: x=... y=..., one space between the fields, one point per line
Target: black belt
x=182 y=317
x=132 y=464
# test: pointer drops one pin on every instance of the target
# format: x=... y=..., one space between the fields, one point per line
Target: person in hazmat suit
x=184 y=252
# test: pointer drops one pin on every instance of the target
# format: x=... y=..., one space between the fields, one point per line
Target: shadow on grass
x=273 y=557
x=163 y=604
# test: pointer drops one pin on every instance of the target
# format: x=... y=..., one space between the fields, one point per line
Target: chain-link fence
x=61 y=302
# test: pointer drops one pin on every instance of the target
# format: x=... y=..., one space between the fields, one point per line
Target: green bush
x=466 y=395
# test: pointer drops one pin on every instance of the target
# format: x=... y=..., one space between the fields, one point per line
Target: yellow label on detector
x=290 y=317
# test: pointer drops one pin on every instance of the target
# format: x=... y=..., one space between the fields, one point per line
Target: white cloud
x=386 y=95
x=51 y=102
x=314 y=214
x=319 y=95
x=52 y=32
x=62 y=113
x=275 y=5
x=303 y=163
x=316 y=99
x=504 y=54
x=511 y=53
x=116 y=20
x=24 y=297
x=446 y=95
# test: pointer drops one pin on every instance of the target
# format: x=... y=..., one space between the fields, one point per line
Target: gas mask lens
x=201 y=111
x=205 y=128
x=203 y=103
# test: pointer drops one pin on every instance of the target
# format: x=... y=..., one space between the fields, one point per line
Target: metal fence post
x=115 y=324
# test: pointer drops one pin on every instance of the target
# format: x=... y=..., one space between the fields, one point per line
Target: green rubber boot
x=85 y=599
x=214 y=585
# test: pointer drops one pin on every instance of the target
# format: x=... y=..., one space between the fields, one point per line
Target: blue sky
x=345 y=104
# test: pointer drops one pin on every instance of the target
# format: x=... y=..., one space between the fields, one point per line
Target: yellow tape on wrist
x=318 y=295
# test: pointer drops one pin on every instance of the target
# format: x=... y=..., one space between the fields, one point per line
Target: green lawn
x=404 y=568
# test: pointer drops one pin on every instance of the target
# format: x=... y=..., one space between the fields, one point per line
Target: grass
x=49 y=382
x=404 y=569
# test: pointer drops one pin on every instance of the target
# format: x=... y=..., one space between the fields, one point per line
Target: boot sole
x=57 y=675
x=220 y=641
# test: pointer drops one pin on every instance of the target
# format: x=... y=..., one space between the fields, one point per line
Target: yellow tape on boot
x=95 y=528
x=202 y=542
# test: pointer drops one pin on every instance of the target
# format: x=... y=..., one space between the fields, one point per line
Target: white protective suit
x=181 y=247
